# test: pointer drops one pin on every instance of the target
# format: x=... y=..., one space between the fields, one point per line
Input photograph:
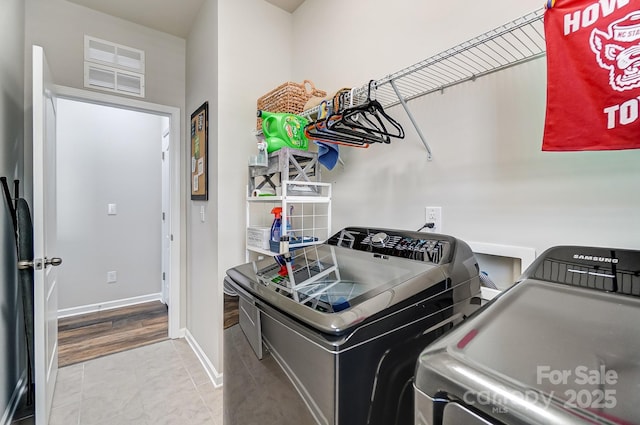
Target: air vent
x=113 y=55
x=113 y=80
x=113 y=67
x=130 y=84
x=103 y=78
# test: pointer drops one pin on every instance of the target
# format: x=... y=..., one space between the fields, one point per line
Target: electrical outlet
x=434 y=215
x=112 y=277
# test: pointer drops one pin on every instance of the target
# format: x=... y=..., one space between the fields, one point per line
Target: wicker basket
x=288 y=97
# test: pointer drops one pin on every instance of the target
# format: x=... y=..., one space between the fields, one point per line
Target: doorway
x=122 y=244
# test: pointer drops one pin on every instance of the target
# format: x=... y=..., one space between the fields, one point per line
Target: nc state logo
x=618 y=50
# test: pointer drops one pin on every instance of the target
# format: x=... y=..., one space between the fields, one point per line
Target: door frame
x=177 y=214
x=166 y=208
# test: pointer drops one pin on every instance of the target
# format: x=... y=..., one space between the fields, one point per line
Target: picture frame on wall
x=199 y=152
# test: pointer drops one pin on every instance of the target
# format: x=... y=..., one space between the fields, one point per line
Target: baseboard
x=214 y=375
x=109 y=305
x=21 y=387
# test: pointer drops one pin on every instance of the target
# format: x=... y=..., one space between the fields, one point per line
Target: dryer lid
x=546 y=352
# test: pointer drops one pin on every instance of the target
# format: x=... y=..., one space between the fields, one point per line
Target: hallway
x=89 y=336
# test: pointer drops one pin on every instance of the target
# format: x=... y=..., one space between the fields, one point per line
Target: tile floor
x=260 y=384
x=159 y=384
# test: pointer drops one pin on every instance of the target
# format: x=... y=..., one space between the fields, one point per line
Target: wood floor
x=88 y=336
x=230 y=311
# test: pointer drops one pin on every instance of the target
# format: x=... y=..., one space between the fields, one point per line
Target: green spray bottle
x=282 y=129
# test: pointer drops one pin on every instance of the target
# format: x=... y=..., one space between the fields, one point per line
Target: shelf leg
x=411 y=117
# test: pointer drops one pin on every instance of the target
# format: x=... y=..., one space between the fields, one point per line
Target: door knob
x=55 y=261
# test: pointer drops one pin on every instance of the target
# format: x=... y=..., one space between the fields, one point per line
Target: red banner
x=593 y=75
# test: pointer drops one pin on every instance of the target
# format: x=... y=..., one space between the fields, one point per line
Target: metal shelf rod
x=509 y=45
x=469 y=79
x=478 y=41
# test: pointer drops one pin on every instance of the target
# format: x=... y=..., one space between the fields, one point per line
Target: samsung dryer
x=562 y=346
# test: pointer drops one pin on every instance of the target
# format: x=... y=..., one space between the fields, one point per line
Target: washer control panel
x=430 y=247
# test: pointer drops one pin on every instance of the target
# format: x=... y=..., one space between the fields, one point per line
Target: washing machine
x=330 y=335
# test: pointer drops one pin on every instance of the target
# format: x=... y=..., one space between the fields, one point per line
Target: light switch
x=111 y=209
x=112 y=277
x=202 y=216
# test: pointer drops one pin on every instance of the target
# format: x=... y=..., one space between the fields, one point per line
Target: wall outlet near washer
x=433 y=215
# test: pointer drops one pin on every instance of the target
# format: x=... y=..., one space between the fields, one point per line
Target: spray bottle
x=276 y=232
x=276 y=226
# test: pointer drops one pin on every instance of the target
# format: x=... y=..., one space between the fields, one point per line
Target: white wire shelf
x=304 y=218
x=512 y=44
x=290 y=198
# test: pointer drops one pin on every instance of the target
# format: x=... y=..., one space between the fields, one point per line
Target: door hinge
x=163 y=216
x=163 y=156
x=164 y=277
x=171 y=238
x=36 y=264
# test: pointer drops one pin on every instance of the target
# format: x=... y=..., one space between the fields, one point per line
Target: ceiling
x=171 y=16
x=288 y=5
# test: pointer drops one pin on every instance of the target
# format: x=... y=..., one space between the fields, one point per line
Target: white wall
x=488 y=171
x=203 y=306
x=12 y=361
x=59 y=26
x=108 y=155
x=237 y=51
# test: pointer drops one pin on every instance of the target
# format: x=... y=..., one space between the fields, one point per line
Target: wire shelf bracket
x=403 y=102
x=509 y=45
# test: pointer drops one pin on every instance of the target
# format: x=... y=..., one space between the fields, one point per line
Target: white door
x=166 y=207
x=44 y=236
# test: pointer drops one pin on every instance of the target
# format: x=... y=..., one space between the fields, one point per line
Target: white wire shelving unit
x=509 y=45
x=305 y=216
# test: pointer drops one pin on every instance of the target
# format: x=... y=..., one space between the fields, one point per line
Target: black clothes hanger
x=332 y=129
x=318 y=130
x=366 y=128
x=336 y=123
x=371 y=110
